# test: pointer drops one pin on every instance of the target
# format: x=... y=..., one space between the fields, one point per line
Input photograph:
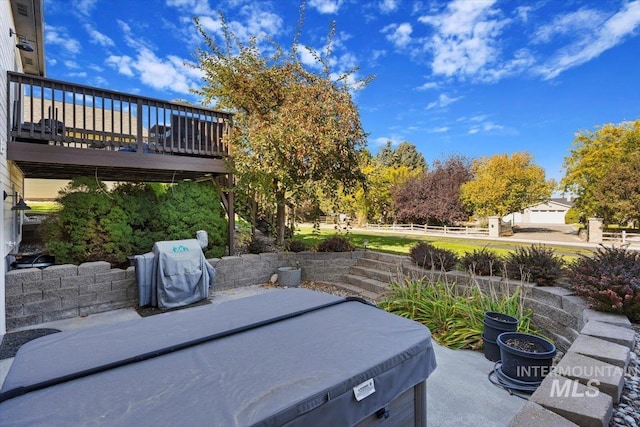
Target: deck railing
x=46 y=111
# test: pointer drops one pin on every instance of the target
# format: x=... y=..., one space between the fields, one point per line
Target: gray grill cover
x=299 y=371
x=175 y=274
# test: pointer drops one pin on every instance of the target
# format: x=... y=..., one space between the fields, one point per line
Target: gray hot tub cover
x=287 y=368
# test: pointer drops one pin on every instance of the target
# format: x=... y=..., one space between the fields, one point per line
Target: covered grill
x=174 y=274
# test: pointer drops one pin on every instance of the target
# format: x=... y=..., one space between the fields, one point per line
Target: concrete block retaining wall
x=596 y=350
x=35 y=296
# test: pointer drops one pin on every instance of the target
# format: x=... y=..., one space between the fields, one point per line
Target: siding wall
x=11 y=179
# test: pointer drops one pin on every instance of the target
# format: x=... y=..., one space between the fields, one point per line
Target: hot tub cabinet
x=289 y=357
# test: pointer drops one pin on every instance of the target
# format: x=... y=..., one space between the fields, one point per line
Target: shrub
x=335 y=244
x=428 y=256
x=481 y=262
x=260 y=244
x=609 y=280
x=95 y=224
x=453 y=315
x=573 y=216
x=296 y=246
x=89 y=227
x=535 y=264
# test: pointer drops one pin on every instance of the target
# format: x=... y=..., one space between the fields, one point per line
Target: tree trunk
x=280 y=218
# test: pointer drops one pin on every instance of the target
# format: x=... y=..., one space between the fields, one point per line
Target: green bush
x=428 y=256
x=482 y=262
x=609 y=280
x=296 y=246
x=96 y=224
x=260 y=244
x=455 y=316
x=89 y=227
x=573 y=216
x=335 y=244
x=535 y=264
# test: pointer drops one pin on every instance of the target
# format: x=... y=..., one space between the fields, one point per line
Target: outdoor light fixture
x=23 y=43
x=20 y=204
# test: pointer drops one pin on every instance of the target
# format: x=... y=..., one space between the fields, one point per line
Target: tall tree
x=618 y=192
x=406 y=154
x=293 y=128
x=594 y=156
x=502 y=184
x=434 y=197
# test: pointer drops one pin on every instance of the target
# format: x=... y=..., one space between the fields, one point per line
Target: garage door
x=549 y=216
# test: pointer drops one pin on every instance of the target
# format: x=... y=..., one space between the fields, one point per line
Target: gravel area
x=627 y=412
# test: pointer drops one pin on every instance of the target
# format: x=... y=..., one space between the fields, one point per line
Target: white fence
x=430 y=229
x=621 y=238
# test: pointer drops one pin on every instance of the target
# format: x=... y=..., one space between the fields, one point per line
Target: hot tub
x=286 y=357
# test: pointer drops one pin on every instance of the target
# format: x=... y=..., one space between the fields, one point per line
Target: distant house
x=551 y=212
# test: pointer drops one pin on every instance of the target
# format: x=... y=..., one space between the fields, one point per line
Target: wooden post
x=232 y=216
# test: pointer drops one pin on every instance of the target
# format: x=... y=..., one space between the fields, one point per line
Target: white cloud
x=326 y=6
x=491 y=128
x=466 y=38
x=582 y=21
x=592 y=37
x=85 y=6
x=427 y=86
x=387 y=6
x=382 y=140
x=443 y=101
x=194 y=7
x=71 y=64
x=399 y=35
x=121 y=63
x=60 y=37
x=523 y=12
x=97 y=37
x=255 y=20
x=80 y=74
x=441 y=129
x=168 y=73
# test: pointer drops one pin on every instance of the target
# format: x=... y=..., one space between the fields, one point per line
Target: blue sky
x=468 y=77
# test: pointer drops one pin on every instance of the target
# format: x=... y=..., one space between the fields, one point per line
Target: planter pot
x=525 y=358
x=289 y=277
x=497 y=323
x=491 y=349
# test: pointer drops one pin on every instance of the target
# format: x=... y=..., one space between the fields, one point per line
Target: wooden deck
x=60 y=130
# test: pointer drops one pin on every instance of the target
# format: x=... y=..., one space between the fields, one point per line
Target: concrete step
x=615 y=319
x=574 y=401
x=608 y=332
x=605 y=351
x=605 y=377
x=365 y=283
x=533 y=414
x=389 y=258
x=378 y=265
x=373 y=273
x=363 y=293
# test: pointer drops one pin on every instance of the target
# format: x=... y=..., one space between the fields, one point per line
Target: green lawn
x=401 y=243
x=43 y=207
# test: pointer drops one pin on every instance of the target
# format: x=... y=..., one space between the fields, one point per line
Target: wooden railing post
x=139 y=117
